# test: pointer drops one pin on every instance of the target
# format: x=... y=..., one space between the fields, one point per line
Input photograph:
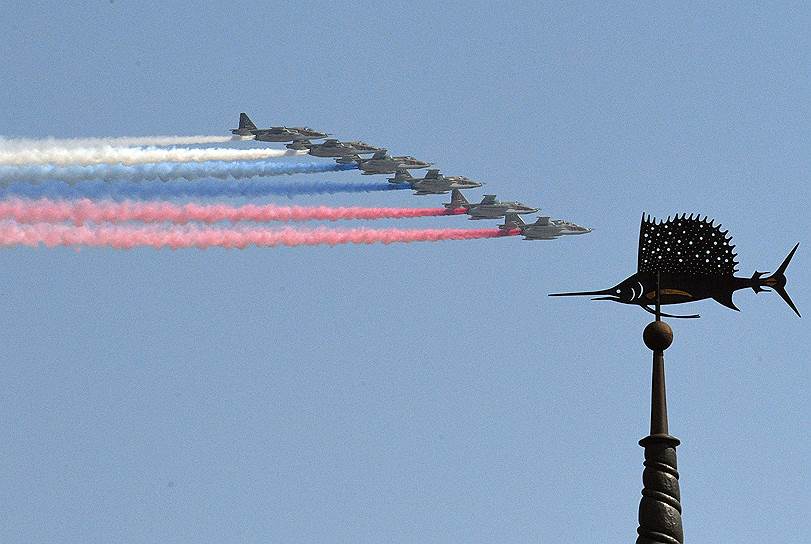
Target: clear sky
x=423 y=392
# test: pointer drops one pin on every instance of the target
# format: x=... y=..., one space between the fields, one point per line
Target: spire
x=660 y=507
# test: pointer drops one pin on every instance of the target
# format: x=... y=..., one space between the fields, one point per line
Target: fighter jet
x=488 y=208
x=545 y=228
x=434 y=183
x=333 y=148
x=383 y=163
x=273 y=134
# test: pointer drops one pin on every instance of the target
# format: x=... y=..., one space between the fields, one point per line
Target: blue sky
x=423 y=392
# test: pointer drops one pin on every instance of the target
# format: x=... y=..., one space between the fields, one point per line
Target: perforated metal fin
x=685 y=245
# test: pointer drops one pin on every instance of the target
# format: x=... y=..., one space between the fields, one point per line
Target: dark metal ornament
x=680 y=260
x=694 y=260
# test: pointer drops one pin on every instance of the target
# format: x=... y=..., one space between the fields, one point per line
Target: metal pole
x=660 y=507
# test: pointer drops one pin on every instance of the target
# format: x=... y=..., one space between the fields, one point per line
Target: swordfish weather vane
x=693 y=259
x=680 y=260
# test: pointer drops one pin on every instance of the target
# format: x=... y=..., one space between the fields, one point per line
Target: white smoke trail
x=115 y=141
x=37 y=173
x=65 y=156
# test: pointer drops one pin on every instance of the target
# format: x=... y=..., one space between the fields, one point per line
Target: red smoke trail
x=125 y=237
x=85 y=210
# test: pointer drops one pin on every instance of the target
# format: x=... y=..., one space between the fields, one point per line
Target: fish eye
x=619 y=291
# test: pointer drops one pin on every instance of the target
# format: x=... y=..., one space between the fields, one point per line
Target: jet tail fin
x=401 y=175
x=512 y=221
x=245 y=122
x=299 y=143
x=349 y=159
x=777 y=281
x=458 y=200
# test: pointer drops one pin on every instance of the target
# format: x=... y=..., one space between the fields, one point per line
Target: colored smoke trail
x=165 y=171
x=84 y=211
x=12 y=144
x=121 y=237
x=63 y=156
x=154 y=190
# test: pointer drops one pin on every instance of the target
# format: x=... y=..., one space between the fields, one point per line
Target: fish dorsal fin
x=685 y=245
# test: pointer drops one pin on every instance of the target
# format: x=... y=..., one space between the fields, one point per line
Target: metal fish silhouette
x=689 y=259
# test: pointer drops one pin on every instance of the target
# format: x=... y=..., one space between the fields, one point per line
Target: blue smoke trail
x=164 y=171
x=154 y=190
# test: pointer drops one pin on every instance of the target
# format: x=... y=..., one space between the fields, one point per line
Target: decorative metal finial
x=693 y=260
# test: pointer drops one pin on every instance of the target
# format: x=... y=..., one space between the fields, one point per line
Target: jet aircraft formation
x=432 y=183
x=120 y=192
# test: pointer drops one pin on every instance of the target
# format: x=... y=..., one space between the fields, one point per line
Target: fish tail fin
x=777 y=281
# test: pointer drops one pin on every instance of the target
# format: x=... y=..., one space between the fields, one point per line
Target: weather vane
x=685 y=259
x=680 y=260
